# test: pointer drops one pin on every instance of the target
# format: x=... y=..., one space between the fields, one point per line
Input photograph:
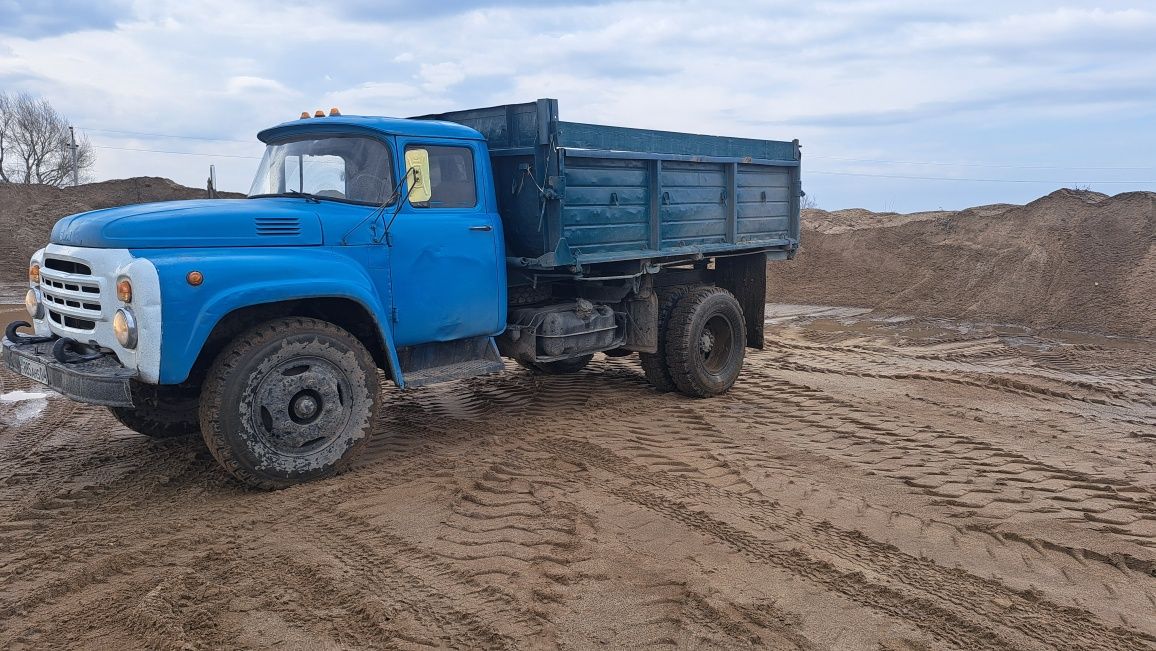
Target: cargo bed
x=573 y=194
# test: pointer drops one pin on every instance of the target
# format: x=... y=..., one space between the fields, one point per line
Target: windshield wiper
x=312 y=198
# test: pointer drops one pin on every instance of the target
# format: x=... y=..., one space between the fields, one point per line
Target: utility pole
x=212 y=181
x=72 y=146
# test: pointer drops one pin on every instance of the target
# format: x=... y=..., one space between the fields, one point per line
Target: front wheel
x=705 y=342
x=289 y=401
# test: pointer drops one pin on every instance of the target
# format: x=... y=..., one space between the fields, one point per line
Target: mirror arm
x=377 y=212
x=401 y=199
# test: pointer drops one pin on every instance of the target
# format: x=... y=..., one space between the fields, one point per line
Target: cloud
x=45 y=18
x=877 y=79
x=1009 y=105
x=243 y=84
x=437 y=77
x=386 y=11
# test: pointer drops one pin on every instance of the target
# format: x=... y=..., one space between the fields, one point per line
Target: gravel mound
x=1071 y=260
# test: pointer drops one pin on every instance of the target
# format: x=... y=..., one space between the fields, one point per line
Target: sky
x=900 y=105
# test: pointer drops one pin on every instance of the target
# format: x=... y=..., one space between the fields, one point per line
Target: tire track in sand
x=952 y=604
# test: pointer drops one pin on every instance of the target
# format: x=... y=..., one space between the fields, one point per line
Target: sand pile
x=1074 y=260
x=27 y=213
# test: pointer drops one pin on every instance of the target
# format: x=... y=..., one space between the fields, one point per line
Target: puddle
x=1077 y=338
x=20 y=396
x=1028 y=341
x=20 y=407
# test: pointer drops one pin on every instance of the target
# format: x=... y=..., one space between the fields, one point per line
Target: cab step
x=444 y=361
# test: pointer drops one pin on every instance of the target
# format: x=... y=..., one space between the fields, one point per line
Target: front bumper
x=101 y=381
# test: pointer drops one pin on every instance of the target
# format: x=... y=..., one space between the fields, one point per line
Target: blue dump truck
x=429 y=248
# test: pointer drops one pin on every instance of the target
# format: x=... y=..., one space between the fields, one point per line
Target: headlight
x=124 y=327
x=34 y=303
x=34 y=273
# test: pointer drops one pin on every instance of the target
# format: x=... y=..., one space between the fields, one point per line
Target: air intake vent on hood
x=278 y=226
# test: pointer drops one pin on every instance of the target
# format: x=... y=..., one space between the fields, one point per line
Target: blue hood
x=194 y=224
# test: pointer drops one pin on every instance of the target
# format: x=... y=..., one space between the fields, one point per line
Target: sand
x=873 y=481
x=870 y=483
x=1069 y=260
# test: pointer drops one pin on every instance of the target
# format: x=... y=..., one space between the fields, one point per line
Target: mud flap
x=642 y=323
x=745 y=276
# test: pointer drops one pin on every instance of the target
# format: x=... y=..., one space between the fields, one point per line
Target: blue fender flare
x=273 y=275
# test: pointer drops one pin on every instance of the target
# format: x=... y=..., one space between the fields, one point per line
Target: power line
x=181 y=153
x=995 y=165
x=165 y=135
x=945 y=178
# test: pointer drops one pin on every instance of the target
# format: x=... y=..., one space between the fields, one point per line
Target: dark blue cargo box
x=576 y=194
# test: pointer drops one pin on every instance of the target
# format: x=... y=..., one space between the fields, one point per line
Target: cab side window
x=451 y=177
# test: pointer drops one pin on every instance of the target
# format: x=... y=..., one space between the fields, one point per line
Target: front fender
x=235 y=279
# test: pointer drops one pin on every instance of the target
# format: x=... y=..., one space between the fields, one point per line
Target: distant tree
x=34 y=143
x=808 y=202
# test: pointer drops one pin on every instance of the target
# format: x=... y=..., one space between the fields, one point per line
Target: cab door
x=447 y=262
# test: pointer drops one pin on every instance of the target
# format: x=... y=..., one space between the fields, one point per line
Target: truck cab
x=409 y=246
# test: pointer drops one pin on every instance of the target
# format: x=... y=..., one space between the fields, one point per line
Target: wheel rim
x=716 y=343
x=302 y=405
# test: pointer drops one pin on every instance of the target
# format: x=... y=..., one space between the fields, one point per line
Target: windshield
x=345 y=168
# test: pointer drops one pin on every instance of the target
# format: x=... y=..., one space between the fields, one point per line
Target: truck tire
x=289 y=401
x=705 y=342
x=654 y=364
x=561 y=366
x=161 y=412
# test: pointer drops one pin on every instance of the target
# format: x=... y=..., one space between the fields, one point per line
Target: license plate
x=34 y=369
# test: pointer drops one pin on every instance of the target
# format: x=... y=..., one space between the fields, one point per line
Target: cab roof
x=336 y=124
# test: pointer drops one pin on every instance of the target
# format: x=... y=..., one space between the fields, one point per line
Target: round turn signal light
x=194 y=278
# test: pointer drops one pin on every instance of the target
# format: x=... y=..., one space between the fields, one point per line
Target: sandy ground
x=870 y=483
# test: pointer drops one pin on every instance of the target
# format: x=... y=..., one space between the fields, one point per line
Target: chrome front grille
x=72 y=299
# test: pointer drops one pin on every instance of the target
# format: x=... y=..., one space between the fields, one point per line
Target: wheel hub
x=706 y=342
x=302 y=404
x=305 y=405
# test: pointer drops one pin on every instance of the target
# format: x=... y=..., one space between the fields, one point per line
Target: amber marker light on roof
x=304 y=114
x=319 y=114
x=333 y=111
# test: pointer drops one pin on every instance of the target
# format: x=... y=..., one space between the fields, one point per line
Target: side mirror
x=417 y=175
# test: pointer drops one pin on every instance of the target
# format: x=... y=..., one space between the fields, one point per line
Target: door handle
x=483 y=227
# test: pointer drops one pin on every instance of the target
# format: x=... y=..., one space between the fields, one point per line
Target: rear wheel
x=654 y=364
x=161 y=412
x=560 y=366
x=289 y=401
x=706 y=342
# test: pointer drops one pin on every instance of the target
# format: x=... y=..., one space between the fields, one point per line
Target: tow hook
x=17 y=338
x=68 y=351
